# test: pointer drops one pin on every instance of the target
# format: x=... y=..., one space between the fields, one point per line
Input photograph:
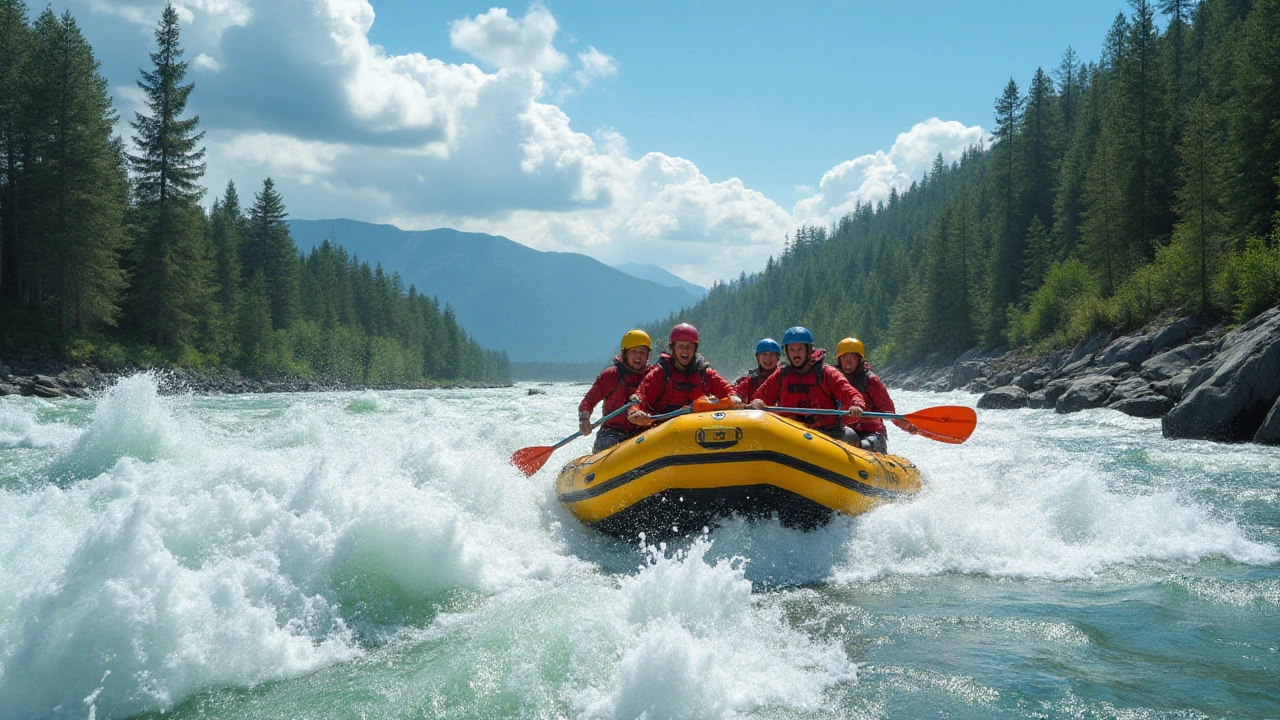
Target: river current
x=373 y=555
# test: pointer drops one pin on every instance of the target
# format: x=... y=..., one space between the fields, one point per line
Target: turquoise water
x=371 y=555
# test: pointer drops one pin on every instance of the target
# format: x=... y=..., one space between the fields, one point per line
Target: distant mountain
x=663 y=277
x=538 y=306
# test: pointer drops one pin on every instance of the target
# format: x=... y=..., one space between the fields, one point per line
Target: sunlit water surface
x=372 y=555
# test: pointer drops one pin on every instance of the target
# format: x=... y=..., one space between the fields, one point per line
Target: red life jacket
x=683 y=387
x=861 y=381
x=804 y=390
x=754 y=380
x=628 y=382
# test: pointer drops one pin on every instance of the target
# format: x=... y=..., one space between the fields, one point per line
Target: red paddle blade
x=531 y=459
x=945 y=423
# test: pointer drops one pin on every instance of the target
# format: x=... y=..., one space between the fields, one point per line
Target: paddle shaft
x=824 y=411
x=597 y=423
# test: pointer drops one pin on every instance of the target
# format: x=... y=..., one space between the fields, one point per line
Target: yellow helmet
x=850 y=345
x=636 y=338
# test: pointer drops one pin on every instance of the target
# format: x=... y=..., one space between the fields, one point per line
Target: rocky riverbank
x=1202 y=381
x=51 y=379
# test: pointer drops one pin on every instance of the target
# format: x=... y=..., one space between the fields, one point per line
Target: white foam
x=129 y=421
x=20 y=426
x=697 y=643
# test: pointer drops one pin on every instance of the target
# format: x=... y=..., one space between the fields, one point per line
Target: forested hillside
x=108 y=255
x=1113 y=190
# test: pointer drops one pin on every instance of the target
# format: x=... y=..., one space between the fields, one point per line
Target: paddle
x=531 y=459
x=944 y=423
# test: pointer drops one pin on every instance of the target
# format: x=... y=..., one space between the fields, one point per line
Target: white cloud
x=204 y=62
x=868 y=179
x=500 y=41
x=345 y=129
x=595 y=66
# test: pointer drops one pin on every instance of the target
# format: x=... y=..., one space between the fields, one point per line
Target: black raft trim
x=746 y=456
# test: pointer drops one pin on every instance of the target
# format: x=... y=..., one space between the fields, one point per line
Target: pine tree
x=1041 y=132
x=1179 y=12
x=1102 y=235
x=173 y=283
x=1008 y=243
x=1253 y=138
x=1140 y=119
x=226 y=228
x=79 y=198
x=1070 y=87
x=1068 y=202
x=15 y=41
x=1038 y=258
x=253 y=323
x=1196 y=233
x=271 y=249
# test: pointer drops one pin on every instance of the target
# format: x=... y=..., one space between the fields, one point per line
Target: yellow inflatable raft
x=684 y=473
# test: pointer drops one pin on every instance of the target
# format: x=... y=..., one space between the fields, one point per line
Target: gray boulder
x=1038 y=400
x=1054 y=391
x=1230 y=396
x=966 y=372
x=1076 y=367
x=1091 y=391
x=1009 y=397
x=1032 y=379
x=1170 y=363
x=7 y=389
x=1130 y=350
x=1089 y=347
x=1173 y=334
x=1133 y=350
x=1146 y=405
x=1174 y=386
x=1269 y=433
x=1117 y=370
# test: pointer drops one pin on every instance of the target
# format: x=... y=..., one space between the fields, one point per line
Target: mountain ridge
x=538 y=306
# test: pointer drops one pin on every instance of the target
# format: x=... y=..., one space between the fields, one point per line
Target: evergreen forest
x=1142 y=183
x=108 y=256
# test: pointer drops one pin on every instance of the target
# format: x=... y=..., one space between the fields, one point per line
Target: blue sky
x=692 y=135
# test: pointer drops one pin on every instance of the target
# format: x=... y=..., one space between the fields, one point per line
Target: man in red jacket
x=679 y=377
x=615 y=385
x=869 y=433
x=768 y=351
x=807 y=382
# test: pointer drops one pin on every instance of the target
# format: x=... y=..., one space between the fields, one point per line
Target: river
x=372 y=555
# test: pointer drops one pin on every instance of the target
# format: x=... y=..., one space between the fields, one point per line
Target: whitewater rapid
x=373 y=554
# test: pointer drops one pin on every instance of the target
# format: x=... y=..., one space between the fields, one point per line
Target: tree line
x=1112 y=191
x=106 y=252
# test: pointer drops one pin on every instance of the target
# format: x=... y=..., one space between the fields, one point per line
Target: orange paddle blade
x=708 y=404
x=531 y=459
x=946 y=423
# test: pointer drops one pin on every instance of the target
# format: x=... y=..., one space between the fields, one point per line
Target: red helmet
x=684 y=331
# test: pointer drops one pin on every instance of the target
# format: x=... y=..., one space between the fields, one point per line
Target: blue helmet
x=768 y=345
x=797 y=334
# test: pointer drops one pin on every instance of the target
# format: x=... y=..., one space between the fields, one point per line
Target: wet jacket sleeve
x=605 y=383
x=878 y=401
x=879 y=396
x=836 y=384
x=768 y=390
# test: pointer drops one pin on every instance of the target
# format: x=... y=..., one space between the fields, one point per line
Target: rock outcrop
x=1009 y=397
x=1229 y=397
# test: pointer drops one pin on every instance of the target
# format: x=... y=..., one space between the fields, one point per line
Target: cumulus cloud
x=501 y=41
x=595 y=66
x=869 y=178
x=296 y=91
